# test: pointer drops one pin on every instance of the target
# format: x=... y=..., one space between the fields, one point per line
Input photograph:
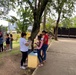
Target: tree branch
x=42 y=7
x=30 y=5
x=39 y=3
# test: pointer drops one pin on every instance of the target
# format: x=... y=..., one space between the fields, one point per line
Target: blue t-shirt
x=1 y=40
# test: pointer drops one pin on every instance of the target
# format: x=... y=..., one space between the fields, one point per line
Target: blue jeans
x=39 y=55
x=44 y=49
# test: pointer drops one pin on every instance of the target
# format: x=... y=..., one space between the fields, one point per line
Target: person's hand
x=29 y=41
x=35 y=46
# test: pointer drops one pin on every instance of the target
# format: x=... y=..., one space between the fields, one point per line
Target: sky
x=5 y=23
x=12 y=13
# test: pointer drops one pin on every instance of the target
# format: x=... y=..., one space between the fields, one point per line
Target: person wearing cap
x=24 y=44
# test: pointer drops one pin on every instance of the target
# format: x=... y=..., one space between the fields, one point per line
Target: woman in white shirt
x=24 y=49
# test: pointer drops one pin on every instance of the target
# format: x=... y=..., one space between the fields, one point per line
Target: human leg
x=7 y=46
x=24 y=56
x=11 y=44
x=44 y=51
x=39 y=56
x=2 y=47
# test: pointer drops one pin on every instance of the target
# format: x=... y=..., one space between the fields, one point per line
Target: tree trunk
x=56 y=28
x=37 y=13
x=36 y=29
x=32 y=45
x=44 y=21
x=33 y=34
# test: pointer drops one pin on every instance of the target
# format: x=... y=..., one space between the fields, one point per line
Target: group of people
x=8 y=40
x=41 y=46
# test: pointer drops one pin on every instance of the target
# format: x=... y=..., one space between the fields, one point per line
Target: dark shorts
x=7 y=42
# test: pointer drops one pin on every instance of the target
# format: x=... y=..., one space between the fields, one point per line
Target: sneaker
x=25 y=64
x=22 y=67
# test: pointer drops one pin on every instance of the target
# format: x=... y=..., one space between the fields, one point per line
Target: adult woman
x=39 y=46
x=11 y=39
x=7 y=42
x=24 y=49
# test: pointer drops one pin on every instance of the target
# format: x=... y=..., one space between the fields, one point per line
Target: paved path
x=61 y=59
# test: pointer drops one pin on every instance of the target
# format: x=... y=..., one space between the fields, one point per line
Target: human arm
x=27 y=43
x=39 y=47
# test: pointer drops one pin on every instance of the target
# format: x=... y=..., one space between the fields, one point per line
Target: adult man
x=45 y=44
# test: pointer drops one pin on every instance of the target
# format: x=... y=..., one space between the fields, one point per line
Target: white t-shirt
x=23 y=47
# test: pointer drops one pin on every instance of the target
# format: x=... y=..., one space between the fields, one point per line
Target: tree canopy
x=62 y=8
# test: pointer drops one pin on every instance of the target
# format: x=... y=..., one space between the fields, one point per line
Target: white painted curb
x=34 y=71
x=38 y=67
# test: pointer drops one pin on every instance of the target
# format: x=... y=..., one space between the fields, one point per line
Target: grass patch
x=15 y=44
x=12 y=52
x=16 y=51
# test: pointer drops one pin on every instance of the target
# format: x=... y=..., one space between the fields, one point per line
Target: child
x=39 y=46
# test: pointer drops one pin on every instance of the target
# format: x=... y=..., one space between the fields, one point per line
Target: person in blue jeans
x=39 y=46
x=45 y=44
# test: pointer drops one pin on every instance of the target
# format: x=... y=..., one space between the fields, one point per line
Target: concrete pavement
x=61 y=59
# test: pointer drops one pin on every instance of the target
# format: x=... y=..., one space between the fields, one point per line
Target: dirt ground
x=10 y=65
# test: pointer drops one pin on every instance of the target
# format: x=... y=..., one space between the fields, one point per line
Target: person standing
x=11 y=41
x=7 y=41
x=1 y=42
x=24 y=49
x=45 y=44
x=39 y=46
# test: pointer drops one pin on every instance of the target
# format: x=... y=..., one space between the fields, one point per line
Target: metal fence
x=65 y=32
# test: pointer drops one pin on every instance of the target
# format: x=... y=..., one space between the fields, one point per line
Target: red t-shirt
x=45 y=40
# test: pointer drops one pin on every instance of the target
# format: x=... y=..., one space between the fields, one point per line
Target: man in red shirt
x=45 y=44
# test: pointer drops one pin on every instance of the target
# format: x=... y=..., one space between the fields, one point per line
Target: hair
x=11 y=35
x=7 y=34
x=43 y=31
x=46 y=32
x=23 y=34
x=39 y=37
x=29 y=38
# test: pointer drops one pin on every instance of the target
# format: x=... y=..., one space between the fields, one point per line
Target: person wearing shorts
x=7 y=42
